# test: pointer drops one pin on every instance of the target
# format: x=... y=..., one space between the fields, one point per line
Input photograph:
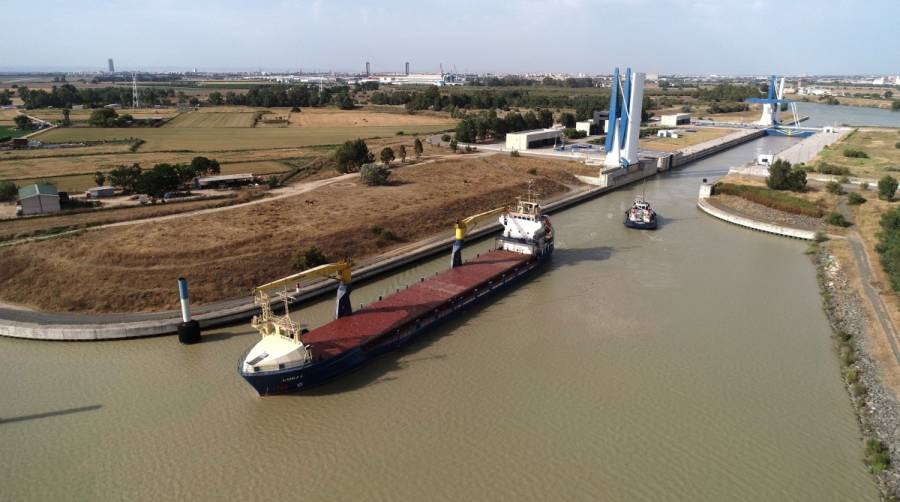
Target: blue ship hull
x=296 y=379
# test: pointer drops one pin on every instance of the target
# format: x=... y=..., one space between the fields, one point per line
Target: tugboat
x=641 y=215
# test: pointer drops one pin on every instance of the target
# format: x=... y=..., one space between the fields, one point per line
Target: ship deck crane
x=267 y=323
x=463 y=226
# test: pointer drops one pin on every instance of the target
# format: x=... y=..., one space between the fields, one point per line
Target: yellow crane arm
x=339 y=270
x=466 y=224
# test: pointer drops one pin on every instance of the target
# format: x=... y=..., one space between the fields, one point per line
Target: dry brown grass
x=225 y=254
x=686 y=139
x=212 y=119
x=26 y=227
x=329 y=117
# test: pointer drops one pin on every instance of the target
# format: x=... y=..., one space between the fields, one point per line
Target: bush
x=453 y=145
x=8 y=191
x=858 y=390
x=853 y=153
x=855 y=199
x=573 y=133
x=836 y=219
x=308 y=258
x=833 y=187
x=400 y=133
x=374 y=174
x=843 y=180
x=273 y=181
x=351 y=155
x=826 y=168
x=771 y=198
x=384 y=236
x=820 y=237
x=887 y=187
x=295 y=109
x=514 y=153
x=446 y=138
x=877 y=456
x=852 y=375
x=888 y=246
x=897 y=144
x=387 y=155
x=783 y=177
x=864 y=186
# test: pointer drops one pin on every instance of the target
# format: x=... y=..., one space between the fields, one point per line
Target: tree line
x=161 y=178
x=488 y=125
x=731 y=92
x=67 y=95
x=286 y=95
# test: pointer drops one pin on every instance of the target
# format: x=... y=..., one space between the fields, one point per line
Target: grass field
x=878 y=144
x=211 y=120
x=132 y=268
x=83 y=115
x=326 y=117
x=221 y=138
x=776 y=199
x=686 y=139
x=12 y=132
x=29 y=227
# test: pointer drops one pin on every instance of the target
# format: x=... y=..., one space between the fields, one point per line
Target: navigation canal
x=690 y=363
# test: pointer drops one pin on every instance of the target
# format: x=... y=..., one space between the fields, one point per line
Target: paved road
x=808 y=148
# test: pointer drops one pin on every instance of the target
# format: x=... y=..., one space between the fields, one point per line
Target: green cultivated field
x=226 y=139
x=11 y=132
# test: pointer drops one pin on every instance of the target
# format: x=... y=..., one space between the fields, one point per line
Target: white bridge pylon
x=625 y=106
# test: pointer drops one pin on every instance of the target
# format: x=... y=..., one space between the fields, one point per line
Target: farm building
x=38 y=199
x=523 y=140
x=667 y=133
x=225 y=180
x=676 y=119
x=98 y=192
x=589 y=127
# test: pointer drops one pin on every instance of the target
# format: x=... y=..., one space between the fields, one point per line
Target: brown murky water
x=691 y=363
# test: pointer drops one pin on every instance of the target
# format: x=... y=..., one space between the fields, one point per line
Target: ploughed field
x=686 y=138
x=224 y=133
x=224 y=254
x=205 y=139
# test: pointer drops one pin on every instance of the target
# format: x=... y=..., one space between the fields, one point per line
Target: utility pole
x=135 y=103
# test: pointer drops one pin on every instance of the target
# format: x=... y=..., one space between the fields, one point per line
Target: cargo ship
x=289 y=359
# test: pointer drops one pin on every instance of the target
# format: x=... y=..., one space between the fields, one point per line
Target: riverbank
x=76 y=326
x=715 y=210
x=30 y=324
x=876 y=406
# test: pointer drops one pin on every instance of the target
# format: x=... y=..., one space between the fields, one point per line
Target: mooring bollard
x=189 y=329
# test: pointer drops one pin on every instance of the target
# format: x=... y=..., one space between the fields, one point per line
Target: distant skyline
x=729 y=37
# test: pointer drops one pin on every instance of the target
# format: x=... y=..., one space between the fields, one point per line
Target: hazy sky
x=514 y=36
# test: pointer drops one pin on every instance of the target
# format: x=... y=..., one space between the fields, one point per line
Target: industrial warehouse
x=535 y=138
